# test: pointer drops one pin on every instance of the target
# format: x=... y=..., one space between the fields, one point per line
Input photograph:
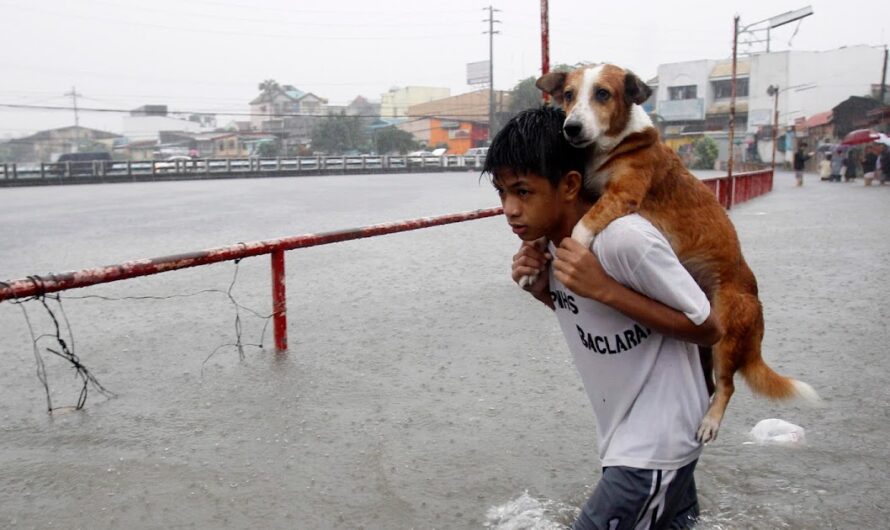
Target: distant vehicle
x=88 y=163
x=173 y=164
x=475 y=157
x=476 y=151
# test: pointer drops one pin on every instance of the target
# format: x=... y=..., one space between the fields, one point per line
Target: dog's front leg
x=623 y=195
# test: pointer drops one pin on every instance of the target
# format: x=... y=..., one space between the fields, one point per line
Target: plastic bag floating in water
x=776 y=431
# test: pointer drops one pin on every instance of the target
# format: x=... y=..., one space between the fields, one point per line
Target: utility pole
x=773 y=91
x=74 y=95
x=545 y=43
x=491 y=22
x=735 y=40
x=884 y=77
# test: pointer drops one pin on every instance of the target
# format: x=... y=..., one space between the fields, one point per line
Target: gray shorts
x=629 y=498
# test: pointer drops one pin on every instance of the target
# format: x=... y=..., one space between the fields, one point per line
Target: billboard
x=477 y=73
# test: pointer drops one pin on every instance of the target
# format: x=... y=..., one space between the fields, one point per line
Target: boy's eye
x=522 y=192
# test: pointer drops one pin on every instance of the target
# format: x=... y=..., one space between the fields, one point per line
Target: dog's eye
x=568 y=96
x=602 y=94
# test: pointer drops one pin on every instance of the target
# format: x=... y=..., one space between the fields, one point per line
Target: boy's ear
x=572 y=183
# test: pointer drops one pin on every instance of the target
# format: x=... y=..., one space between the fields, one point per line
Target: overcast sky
x=210 y=55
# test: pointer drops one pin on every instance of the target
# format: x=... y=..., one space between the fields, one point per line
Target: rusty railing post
x=279 y=301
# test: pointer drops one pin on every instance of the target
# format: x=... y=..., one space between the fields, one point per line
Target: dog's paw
x=526 y=282
x=707 y=431
x=582 y=234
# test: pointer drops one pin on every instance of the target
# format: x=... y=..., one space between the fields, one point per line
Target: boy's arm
x=579 y=270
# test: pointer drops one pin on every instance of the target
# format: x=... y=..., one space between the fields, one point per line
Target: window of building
x=723 y=88
x=682 y=92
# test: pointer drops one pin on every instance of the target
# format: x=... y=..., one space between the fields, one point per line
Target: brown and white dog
x=633 y=171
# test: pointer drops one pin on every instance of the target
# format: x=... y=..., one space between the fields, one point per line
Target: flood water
x=422 y=389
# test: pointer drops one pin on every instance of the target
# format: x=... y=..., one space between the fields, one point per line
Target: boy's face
x=533 y=206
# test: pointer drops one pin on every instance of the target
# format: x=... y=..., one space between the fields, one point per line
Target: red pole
x=279 y=301
x=545 y=43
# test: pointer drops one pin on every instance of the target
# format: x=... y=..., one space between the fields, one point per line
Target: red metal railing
x=38 y=285
x=747 y=186
x=741 y=187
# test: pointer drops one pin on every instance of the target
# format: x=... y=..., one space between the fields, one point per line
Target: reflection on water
x=422 y=389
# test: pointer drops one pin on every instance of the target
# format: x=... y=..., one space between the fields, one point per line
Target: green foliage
x=15 y=152
x=525 y=95
x=394 y=140
x=338 y=134
x=706 y=151
x=267 y=150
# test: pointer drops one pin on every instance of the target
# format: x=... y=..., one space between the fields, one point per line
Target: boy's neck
x=573 y=214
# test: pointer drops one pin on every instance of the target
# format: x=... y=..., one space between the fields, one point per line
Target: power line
x=443 y=115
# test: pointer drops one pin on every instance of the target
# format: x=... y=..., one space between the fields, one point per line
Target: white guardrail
x=237 y=166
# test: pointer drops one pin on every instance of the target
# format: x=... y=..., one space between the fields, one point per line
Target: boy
x=631 y=316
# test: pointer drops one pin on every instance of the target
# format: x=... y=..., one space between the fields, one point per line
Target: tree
x=267 y=150
x=338 y=134
x=394 y=140
x=269 y=87
x=525 y=95
x=706 y=151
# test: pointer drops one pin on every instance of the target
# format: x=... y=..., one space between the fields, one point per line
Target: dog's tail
x=765 y=381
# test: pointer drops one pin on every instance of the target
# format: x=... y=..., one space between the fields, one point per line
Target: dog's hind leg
x=742 y=322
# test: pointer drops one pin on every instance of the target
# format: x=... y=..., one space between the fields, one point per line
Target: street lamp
x=772 y=22
x=773 y=91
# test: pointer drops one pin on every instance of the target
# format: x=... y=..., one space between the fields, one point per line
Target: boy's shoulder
x=633 y=227
x=627 y=238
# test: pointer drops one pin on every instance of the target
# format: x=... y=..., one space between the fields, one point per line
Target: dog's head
x=598 y=101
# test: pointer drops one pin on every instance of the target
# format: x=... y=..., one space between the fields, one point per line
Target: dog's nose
x=572 y=128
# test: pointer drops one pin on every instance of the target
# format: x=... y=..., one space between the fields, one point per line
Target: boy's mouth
x=519 y=229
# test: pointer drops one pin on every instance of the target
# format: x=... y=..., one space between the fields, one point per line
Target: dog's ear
x=552 y=84
x=635 y=90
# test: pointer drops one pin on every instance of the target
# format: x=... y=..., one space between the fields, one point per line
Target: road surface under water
x=422 y=389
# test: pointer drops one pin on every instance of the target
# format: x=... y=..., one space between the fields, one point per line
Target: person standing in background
x=868 y=165
x=825 y=167
x=852 y=165
x=800 y=160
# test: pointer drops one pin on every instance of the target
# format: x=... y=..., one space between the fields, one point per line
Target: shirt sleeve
x=637 y=255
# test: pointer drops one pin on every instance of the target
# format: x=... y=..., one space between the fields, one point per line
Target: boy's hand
x=579 y=270
x=532 y=259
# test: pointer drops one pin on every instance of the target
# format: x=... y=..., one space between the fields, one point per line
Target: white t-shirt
x=647 y=390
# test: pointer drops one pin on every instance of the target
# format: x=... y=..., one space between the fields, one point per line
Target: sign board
x=477 y=73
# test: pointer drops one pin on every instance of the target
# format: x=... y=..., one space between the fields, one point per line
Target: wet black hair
x=532 y=143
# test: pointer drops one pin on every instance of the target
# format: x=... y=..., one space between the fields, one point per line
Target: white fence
x=124 y=170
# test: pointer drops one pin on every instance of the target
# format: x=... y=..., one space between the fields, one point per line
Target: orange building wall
x=456 y=146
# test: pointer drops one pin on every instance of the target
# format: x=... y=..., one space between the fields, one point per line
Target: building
x=284 y=108
x=48 y=145
x=459 y=122
x=148 y=121
x=693 y=96
x=395 y=103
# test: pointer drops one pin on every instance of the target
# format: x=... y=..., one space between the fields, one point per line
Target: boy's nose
x=511 y=207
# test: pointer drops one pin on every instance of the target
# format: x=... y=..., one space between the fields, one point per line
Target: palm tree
x=269 y=87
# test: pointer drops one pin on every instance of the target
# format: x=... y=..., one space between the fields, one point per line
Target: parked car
x=88 y=163
x=476 y=151
x=174 y=164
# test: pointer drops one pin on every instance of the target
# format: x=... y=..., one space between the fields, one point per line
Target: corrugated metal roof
x=818 y=119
